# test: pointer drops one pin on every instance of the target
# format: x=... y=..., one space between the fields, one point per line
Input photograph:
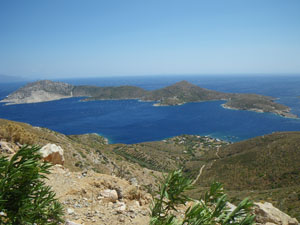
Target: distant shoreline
x=174 y=95
x=284 y=115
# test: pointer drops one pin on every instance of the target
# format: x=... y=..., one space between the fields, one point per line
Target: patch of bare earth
x=93 y=198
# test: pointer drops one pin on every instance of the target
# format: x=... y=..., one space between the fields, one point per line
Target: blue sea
x=132 y=121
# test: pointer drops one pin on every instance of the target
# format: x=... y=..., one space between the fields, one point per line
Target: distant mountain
x=182 y=92
x=10 y=79
x=176 y=94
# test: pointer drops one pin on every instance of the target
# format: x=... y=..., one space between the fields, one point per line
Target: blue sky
x=77 y=38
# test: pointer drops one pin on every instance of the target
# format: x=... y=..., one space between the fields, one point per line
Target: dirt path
x=202 y=167
x=217 y=153
x=198 y=176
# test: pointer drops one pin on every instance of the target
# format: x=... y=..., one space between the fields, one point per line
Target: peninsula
x=177 y=94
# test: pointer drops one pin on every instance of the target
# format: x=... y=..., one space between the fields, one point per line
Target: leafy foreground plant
x=24 y=197
x=212 y=209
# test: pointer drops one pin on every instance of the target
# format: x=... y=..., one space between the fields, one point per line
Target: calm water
x=131 y=121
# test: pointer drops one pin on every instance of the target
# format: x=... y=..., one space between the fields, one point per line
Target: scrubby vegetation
x=185 y=151
x=15 y=133
x=266 y=167
x=211 y=209
x=24 y=197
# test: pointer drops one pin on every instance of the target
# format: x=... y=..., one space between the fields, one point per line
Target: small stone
x=70 y=211
x=145 y=213
x=137 y=203
x=122 y=207
x=122 y=219
x=77 y=205
x=133 y=181
x=84 y=173
x=71 y=223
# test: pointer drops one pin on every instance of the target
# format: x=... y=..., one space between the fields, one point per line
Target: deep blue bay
x=132 y=121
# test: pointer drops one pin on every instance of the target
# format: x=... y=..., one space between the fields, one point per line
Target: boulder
x=53 y=154
x=266 y=213
x=110 y=195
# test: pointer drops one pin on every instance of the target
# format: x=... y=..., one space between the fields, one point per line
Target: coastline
x=287 y=115
x=32 y=100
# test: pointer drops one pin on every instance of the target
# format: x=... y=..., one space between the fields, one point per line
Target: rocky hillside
x=266 y=167
x=101 y=183
x=105 y=93
x=82 y=152
x=182 y=92
x=270 y=161
x=176 y=94
x=40 y=91
x=93 y=198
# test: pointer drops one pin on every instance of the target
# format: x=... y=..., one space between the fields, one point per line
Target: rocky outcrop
x=40 y=91
x=53 y=154
x=266 y=213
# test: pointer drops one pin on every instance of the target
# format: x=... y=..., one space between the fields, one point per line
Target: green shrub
x=24 y=197
x=211 y=210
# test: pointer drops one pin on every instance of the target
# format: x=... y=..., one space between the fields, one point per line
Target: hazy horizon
x=34 y=78
x=76 y=39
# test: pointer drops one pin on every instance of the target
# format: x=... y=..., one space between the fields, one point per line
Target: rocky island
x=177 y=94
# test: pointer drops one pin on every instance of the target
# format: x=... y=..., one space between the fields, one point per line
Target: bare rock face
x=266 y=213
x=53 y=154
x=40 y=91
